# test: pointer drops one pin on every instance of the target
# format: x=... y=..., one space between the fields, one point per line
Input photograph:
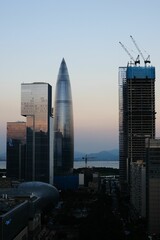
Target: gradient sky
x=36 y=34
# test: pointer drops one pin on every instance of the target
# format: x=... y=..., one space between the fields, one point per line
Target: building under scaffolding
x=136 y=114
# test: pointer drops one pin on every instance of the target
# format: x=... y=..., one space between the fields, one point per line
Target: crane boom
x=135 y=61
x=147 y=60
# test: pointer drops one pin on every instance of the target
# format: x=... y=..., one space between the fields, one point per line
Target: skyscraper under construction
x=136 y=114
x=63 y=124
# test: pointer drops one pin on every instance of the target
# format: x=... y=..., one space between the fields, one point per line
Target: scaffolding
x=136 y=114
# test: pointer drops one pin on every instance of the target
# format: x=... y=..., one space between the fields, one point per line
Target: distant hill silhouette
x=110 y=155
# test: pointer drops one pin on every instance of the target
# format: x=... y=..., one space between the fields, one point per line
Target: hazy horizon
x=2 y=154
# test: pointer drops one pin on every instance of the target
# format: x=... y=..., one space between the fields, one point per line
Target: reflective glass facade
x=16 y=149
x=63 y=124
x=36 y=106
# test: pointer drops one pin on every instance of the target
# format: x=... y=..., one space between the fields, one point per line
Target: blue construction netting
x=140 y=72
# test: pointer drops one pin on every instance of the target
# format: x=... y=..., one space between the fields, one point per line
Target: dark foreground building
x=153 y=185
x=63 y=124
x=22 y=209
x=16 y=150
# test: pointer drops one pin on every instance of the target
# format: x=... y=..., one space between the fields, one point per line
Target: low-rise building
x=21 y=209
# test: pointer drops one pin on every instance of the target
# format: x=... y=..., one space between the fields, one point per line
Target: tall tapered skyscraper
x=136 y=114
x=63 y=124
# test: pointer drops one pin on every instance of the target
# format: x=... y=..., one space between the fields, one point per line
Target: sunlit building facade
x=16 y=150
x=136 y=114
x=63 y=124
x=36 y=106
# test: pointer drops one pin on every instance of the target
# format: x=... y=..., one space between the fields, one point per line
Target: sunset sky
x=36 y=34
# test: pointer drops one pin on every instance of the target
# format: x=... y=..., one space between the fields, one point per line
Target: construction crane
x=86 y=159
x=147 y=60
x=137 y=61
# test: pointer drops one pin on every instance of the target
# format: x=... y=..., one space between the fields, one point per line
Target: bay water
x=107 y=164
x=81 y=164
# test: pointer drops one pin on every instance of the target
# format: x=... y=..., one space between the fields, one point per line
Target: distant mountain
x=111 y=155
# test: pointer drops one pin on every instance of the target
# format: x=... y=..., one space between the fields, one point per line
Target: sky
x=36 y=34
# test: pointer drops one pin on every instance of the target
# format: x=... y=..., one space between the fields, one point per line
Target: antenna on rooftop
x=147 y=60
x=137 y=61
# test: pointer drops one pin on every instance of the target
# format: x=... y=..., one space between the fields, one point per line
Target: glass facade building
x=36 y=106
x=63 y=124
x=136 y=114
x=16 y=150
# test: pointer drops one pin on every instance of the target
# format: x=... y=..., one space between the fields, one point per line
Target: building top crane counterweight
x=147 y=60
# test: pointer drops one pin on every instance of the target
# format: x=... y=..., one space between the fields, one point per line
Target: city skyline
x=35 y=36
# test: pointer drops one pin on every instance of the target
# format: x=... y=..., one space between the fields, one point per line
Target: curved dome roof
x=46 y=193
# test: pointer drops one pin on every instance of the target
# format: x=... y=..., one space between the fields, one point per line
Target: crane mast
x=86 y=159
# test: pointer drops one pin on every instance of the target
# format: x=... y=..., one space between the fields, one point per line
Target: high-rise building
x=63 y=124
x=138 y=188
x=153 y=185
x=16 y=150
x=136 y=114
x=36 y=106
